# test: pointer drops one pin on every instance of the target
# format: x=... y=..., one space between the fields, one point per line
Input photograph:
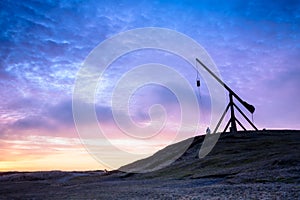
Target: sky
x=255 y=45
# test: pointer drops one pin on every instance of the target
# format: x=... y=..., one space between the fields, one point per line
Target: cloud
x=61 y=112
x=32 y=122
x=54 y=117
x=104 y=114
x=255 y=45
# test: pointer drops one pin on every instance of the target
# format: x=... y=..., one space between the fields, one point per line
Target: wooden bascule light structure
x=231 y=105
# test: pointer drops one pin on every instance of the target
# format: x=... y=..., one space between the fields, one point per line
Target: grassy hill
x=245 y=165
x=260 y=156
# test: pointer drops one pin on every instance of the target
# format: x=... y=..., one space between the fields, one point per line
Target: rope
x=198 y=79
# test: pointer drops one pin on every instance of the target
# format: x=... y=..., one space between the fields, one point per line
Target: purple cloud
x=255 y=44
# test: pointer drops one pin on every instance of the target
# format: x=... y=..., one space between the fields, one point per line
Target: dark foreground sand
x=147 y=189
x=257 y=165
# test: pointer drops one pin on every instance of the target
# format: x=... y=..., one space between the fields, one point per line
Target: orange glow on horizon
x=63 y=150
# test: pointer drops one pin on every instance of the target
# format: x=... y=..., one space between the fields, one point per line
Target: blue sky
x=255 y=44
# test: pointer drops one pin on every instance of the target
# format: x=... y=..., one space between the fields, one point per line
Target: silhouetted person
x=207 y=130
